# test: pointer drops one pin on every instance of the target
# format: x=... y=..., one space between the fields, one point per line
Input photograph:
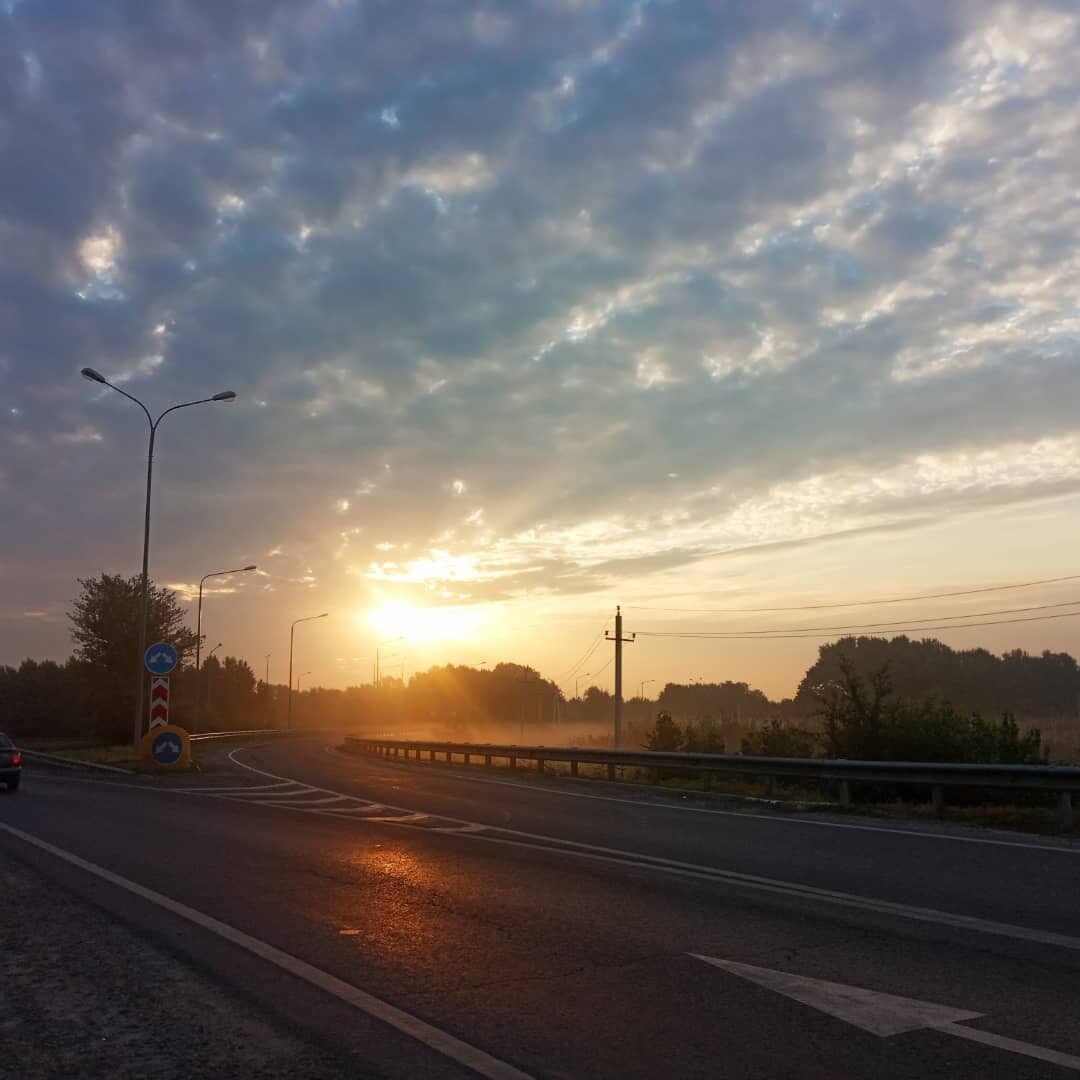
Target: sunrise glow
x=420 y=625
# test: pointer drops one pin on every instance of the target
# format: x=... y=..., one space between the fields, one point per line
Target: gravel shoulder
x=82 y=994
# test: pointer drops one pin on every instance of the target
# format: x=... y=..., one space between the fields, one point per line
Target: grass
x=99 y=755
x=1033 y=818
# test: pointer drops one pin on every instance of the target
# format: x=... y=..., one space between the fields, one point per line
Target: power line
x=858 y=603
x=901 y=622
x=758 y=636
x=574 y=668
x=599 y=670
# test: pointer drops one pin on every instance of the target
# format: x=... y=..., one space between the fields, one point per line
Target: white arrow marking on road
x=883 y=1014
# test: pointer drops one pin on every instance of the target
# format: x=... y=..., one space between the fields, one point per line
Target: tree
x=105 y=619
x=667 y=735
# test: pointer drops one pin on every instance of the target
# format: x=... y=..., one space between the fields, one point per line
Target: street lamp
x=198 y=627
x=299 y=677
x=292 y=632
x=224 y=395
x=641 y=687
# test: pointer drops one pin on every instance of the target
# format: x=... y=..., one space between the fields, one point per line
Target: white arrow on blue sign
x=166 y=748
x=161 y=658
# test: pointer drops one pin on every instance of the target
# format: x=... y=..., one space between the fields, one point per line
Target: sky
x=536 y=308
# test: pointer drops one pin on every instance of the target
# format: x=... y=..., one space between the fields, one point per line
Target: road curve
x=557 y=936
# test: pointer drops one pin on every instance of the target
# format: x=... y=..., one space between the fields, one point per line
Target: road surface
x=407 y=920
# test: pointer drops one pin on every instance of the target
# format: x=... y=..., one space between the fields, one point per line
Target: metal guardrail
x=238 y=734
x=1062 y=780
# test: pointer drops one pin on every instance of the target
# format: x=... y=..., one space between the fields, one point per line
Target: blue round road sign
x=161 y=658
x=166 y=748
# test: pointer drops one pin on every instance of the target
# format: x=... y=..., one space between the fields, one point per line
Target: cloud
x=651 y=281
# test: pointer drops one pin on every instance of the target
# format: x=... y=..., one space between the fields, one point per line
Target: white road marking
x=495 y=834
x=480 y=1062
x=635 y=860
x=787 y=819
x=269 y=796
x=310 y=803
x=883 y=1014
x=243 y=789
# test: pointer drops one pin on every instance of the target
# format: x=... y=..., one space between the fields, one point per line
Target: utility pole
x=619 y=641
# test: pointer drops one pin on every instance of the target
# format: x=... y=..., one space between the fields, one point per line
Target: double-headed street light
x=225 y=395
x=198 y=628
x=292 y=632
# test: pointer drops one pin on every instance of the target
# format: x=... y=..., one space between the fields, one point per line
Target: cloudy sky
x=533 y=308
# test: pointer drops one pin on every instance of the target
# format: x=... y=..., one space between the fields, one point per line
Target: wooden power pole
x=619 y=641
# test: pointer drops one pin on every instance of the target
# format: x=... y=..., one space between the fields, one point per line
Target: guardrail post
x=845 y=793
x=937 y=796
x=487 y=760
x=467 y=756
x=706 y=780
x=513 y=762
x=610 y=771
x=770 y=786
x=540 y=765
x=573 y=768
x=449 y=755
x=1065 y=814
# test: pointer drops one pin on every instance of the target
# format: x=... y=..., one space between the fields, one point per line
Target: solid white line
x=271 y=796
x=408 y=819
x=788 y=888
x=776 y=818
x=231 y=790
x=496 y=834
x=304 y=805
x=435 y=1039
x=1014 y=1046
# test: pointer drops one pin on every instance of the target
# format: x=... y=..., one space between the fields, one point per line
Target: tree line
x=863 y=696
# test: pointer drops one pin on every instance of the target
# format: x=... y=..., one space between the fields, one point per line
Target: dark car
x=10 y=763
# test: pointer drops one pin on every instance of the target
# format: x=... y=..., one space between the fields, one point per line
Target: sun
x=417 y=624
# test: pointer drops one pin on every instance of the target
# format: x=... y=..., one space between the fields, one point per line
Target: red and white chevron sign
x=159 y=701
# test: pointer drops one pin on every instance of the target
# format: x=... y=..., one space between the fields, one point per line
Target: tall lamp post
x=225 y=395
x=299 y=677
x=292 y=633
x=198 y=627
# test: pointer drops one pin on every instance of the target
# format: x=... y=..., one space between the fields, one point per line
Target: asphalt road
x=511 y=930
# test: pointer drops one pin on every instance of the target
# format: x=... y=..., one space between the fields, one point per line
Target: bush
x=861 y=722
x=777 y=739
x=666 y=735
x=703 y=738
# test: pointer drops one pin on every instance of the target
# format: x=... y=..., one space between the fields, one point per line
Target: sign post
x=165 y=746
